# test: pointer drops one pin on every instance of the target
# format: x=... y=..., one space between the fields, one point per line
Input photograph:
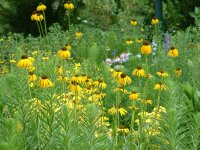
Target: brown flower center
x=44 y=77
x=24 y=57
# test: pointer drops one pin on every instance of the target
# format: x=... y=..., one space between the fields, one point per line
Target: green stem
x=68 y=20
x=39 y=29
x=40 y=24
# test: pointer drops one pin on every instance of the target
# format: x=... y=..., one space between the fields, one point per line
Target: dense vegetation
x=125 y=86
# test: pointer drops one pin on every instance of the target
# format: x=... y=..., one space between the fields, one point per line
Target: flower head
x=178 y=72
x=78 y=34
x=69 y=5
x=41 y=7
x=124 y=79
x=139 y=72
x=44 y=82
x=133 y=22
x=160 y=86
x=162 y=73
x=133 y=96
x=154 y=21
x=173 y=52
x=129 y=42
x=24 y=62
x=64 y=53
x=146 y=48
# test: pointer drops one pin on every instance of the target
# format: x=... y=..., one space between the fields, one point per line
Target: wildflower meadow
x=133 y=87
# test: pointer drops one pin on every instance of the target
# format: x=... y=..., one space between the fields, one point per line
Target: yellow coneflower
x=77 y=66
x=76 y=78
x=34 y=16
x=31 y=68
x=64 y=53
x=124 y=79
x=173 y=52
x=62 y=78
x=69 y=5
x=98 y=96
x=121 y=89
x=139 y=72
x=147 y=101
x=123 y=130
x=41 y=7
x=160 y=86
x=74 y=87
x=44 y=82
x=161 y=109
x=59 y=70
x=24 y=62
x=178 y=72
x=114 y=110
x=129 y=42
x=78 y=34
x=148 y=76
x=162 y=73
x=154 y=21
x=32 y=77
x=100 y=83
x=116 y=73
x=146 y=48
x=133 y=22
x=68 y=47
x=133 y=96
x=140 y=40
x=83 y=78
x=122 y=111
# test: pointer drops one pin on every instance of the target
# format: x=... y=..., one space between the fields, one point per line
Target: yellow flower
x=74 y=87
x=154 y=21
x=44 y=82
x=59 y=70
x=68 y=47
x=129 y=42
x=31 y=68
x=121 y=89
x=139 y=72
x=178 y=72
x=32 y=77
x=76 y=78
x=140 y=40
x=124 y=79
x=162 y=73
x=160 y=86
x=116 y=73
x=12 y=61
x=115 y=110
x=36 y=16
x=41 y=7
x=64 y=53
x=146 y=48
x=134 y=96
x=100 y=83
x=160 y=110
x=122 y=129
x=77 y=66
x=24 y=62
x=62 y=78
x=122 y=111
x=173 y=52
x=133 y=22
x=147 y=101
x=68 y=5
x=78 y=34
x=45 y=58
